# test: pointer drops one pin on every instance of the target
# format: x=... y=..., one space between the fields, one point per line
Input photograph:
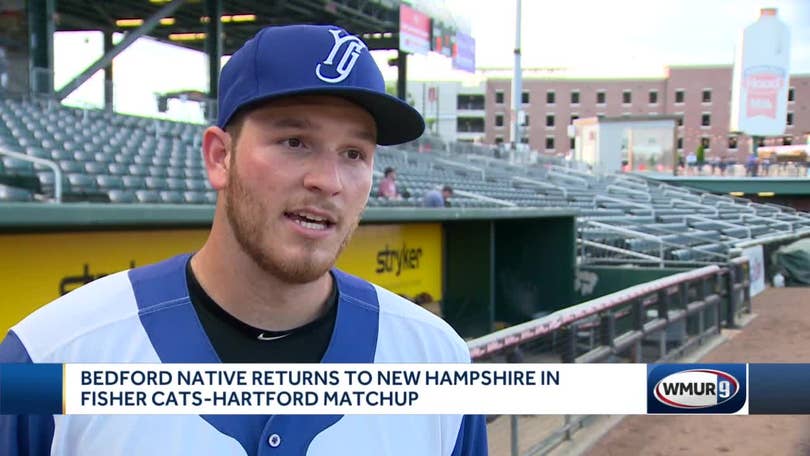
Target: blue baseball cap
x=314 y=60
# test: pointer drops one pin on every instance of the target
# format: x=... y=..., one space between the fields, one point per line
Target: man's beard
x=247 y=217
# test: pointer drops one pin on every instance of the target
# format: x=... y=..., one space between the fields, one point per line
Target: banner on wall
x=406 y=259
x=414 y=31
x=464 y=54
x=756 y=268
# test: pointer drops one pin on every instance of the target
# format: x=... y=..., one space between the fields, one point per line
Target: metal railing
x=607 y=244
x=57 y=181
x=652 y=322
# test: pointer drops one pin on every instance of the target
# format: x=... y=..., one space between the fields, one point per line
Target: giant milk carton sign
x=761 y=77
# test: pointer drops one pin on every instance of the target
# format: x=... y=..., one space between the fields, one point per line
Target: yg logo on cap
x=351 y=52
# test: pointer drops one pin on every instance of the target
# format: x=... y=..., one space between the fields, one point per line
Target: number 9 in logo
x=724 y=389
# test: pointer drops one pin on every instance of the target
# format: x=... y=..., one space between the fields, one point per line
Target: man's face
x=299 y=177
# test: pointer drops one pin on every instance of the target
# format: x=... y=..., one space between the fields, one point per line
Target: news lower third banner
x=340 y=389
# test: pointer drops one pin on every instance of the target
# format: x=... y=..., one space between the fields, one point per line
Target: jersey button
x=274 y=440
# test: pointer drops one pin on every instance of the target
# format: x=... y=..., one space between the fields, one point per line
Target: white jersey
x=145 y=315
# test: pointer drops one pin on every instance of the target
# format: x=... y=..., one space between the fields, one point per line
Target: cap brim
x=397 y=121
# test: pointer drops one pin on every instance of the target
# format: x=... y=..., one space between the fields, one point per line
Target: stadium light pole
x=517 y=89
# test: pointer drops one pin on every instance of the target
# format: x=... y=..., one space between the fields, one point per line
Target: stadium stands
x=104 y=156
x=623 y=219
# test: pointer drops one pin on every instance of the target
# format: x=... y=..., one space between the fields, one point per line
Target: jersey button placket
x=274 y=440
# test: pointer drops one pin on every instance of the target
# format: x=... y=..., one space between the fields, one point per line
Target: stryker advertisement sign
x=40 y=267
x=406 y=259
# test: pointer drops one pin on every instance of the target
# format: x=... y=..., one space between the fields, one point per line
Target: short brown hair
x=234 y=126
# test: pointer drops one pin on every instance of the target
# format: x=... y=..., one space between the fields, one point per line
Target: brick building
x=701 y=95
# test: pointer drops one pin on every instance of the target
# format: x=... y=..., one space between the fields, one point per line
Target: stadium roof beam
x=107 y=58
x=358 y=16
x=213 y=49
x=349 y=16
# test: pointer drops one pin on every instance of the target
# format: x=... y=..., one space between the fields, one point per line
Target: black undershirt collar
x=237 y=341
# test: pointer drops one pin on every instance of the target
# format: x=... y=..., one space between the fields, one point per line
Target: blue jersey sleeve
x=22 y=435
x=472 y=437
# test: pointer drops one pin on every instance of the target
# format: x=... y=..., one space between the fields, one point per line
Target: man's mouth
x=309 y=220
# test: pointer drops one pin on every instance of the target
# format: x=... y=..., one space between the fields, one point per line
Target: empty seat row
x=164 y=197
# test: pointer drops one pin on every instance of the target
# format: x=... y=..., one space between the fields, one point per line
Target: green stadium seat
x=122 y=196
x=172 y=197
x=194 y=197
x=107 y=182
x=195 y=184
x=138 y=170
x=82 y=183
x=117 y=169
x=93 y=167
x=160 y=161
x=157 y=171
x=14 y=194
x=46 y=182
x=156 y=183
x=175 y=172
x=142 y=160
x=124 y=158
x=38 y=152
x=17 y=166
x=134 y=182
x=70 y=166
x=197 y=173
x=103 y=157
x=82 y=156
x=147 y=196
x=176 y=184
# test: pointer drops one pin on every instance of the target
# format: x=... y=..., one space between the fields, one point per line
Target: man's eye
x=354 y=154
x=293 y=142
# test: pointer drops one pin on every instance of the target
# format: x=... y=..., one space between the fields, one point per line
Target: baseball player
x=301 y=110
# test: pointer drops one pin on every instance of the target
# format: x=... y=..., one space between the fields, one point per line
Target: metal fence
x=653 y=322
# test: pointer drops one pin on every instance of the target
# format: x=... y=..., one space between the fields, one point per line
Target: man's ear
x=216 y=148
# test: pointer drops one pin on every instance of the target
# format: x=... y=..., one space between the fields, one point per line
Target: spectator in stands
x=436 y=198
x=723 y=164
x=751 y=165
x=691 y=162
x=302 y=109
x=388 y=185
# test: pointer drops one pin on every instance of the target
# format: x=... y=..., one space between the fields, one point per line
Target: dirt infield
x=779 y=333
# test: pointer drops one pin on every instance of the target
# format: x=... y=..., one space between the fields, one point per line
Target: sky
x=590 y=38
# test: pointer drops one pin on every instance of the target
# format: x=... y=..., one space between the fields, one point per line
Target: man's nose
x=324 y=176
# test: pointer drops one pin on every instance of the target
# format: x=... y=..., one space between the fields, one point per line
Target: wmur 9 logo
x=696 y=388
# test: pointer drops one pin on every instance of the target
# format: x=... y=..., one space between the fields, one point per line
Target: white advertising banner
x=414 y=31
x=756 y=265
